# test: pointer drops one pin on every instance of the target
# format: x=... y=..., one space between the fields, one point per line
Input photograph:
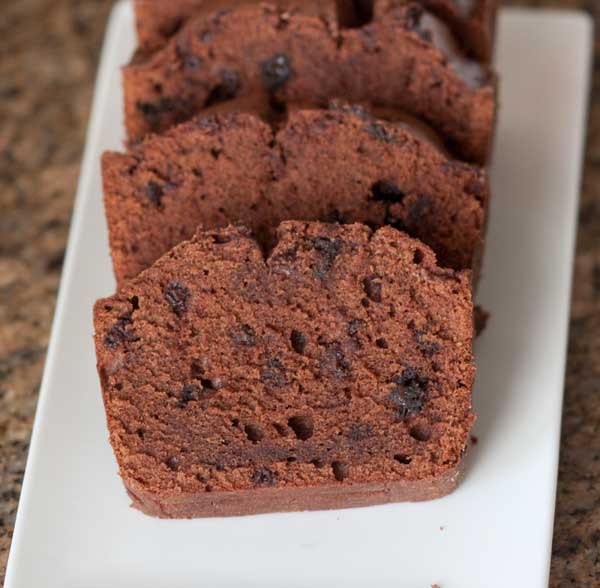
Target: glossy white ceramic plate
x=75 y=528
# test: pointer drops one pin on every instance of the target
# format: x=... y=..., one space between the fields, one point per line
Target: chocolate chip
x=303 y=426
x=372 y=287
x=335 y=361
x=328 y=250
x=154 y=192
x=298 y=341
x=254 y=433
x=274 y=375
x=418 y=256
x=205 y=36
x=177 y=295
x=263 y=477
x=409 y=393
x=319 y=462
x=354 y=326
x=119 y=332
x=245 y=336
x=340 y=470
x=276 y=71
x=188 y=393
x=227 y=89
x=173 y=463
x=381 y=343
x=380 y=132
x=427 y=348
x=385 y=191
x=359 y=432
x=403 y=459
x=418 y=209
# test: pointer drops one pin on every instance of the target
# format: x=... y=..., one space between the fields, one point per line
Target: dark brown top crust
x=342 y=361
x=331 y=165
x=260 y=60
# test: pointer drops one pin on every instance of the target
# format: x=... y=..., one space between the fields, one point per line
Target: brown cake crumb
x=246 y=60
x=235 y=384
x=338 y=166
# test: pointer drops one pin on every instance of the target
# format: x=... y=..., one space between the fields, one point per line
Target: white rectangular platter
x=75 y=528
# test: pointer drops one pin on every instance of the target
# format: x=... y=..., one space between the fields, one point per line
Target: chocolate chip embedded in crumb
x=372 y=288
x=226 y=89
x=340 y=470
x=328 y=250
x=177 y=295
x=298 y=341
x=119 y=332
x=354 y=326
x=274 y=376
x=188 y=393
x=244 y=336
x=409 y=393
x=154 y=192
x=418 y=209
x=385 y=191
x=276 y=71
x=173 y=463
x=380 y=132
x=263 y=477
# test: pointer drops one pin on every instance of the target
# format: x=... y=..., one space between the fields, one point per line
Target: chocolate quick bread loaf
x=335 y=373
x=472 y=21
x=330 y=165
x=260 y=60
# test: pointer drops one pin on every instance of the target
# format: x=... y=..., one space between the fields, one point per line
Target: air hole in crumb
x=216 y=153
x=107 y=307
x=303 y=426
x=140 y=433
x=213 y=384
x=340 y=470
x=418 y=256
x=281 y=429
x=118 y=386
x=403 y=459
x=420 y=433
x=253 y=433
x=298 y=341
x=381 y=343
x=208 y=488
x=318 y=463
x=291 y=459
x=235 y=422
x=135 y=302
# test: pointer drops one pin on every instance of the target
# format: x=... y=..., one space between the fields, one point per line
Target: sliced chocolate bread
x=157 y=21
x=332 y=165
x=258 y=59
x=335 y=373
x=472 y=21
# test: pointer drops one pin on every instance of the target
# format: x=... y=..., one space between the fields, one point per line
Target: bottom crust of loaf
x=269 y=500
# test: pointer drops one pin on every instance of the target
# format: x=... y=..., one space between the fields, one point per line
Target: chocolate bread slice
x=472 y=21
x=157 y=21
x=258 y=59
x=335 y=373
x=339 y=165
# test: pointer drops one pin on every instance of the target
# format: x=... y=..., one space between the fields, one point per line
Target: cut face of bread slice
x=335 y=373
x=333 y=165
x=259 y=60
x=472 y=21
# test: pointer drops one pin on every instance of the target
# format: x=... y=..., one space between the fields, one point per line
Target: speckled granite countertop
x=48 y=56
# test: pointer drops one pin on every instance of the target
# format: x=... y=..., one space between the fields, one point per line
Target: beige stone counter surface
x=48 y=57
